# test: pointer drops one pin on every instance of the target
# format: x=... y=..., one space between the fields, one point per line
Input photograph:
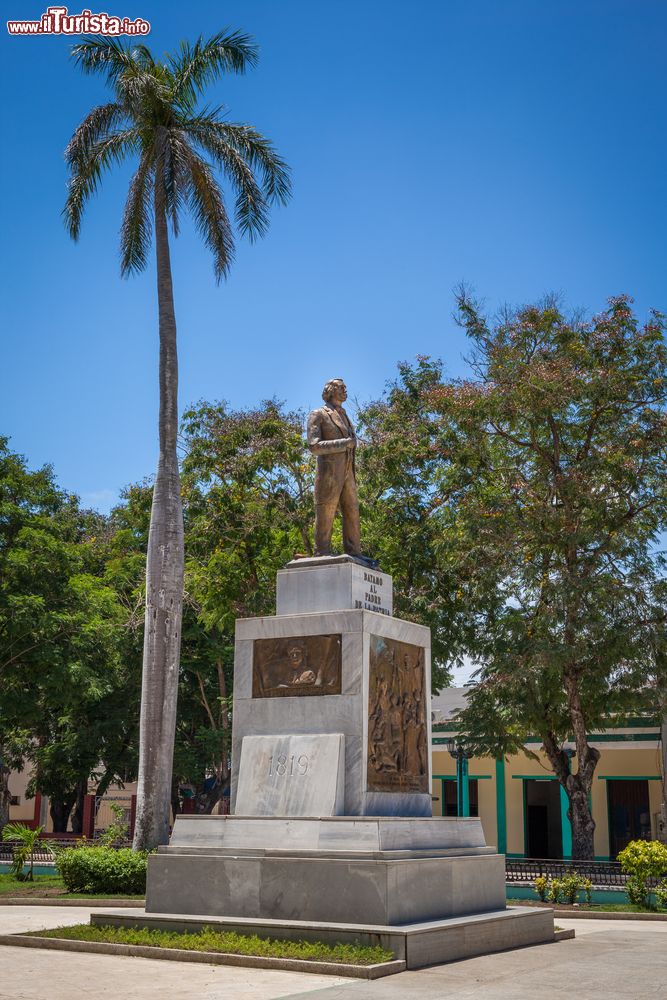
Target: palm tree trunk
x=164 y=579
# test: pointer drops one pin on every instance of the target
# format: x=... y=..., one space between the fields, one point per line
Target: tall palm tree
x=155 y=117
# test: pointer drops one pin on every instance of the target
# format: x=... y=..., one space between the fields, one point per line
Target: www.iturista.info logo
x=58 y=21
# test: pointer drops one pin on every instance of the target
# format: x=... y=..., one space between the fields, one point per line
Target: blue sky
x=519 y=146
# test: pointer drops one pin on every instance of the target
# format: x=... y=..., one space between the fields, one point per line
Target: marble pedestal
x=366 y=872
x=331 y=766
x=364 y=637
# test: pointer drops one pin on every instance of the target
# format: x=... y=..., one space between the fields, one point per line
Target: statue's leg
x=324 y=519
x=349 y=506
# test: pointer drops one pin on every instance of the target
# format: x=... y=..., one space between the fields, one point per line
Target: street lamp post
x=461 y=756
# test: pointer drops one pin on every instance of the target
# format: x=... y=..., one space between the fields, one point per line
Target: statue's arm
x=316 y=442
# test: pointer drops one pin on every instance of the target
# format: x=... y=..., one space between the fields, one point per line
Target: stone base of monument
x=363 y=869
x=418 y=944
x=428 y=889
x=332 y=837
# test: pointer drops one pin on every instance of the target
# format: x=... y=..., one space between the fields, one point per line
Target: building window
x=15 y=800
x=449 y=797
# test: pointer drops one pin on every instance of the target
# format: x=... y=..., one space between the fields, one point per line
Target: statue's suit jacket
x=327 y=429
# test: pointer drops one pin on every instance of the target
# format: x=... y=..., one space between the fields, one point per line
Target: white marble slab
x=336 y=833
x=313 y=585
x=292 y=775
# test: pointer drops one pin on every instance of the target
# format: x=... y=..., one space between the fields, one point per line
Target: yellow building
x=521 y=805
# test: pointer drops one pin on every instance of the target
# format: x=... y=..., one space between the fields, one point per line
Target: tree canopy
x=552 y=462
x=521 y=512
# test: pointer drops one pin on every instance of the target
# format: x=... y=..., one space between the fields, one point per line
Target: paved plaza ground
x=618 y=960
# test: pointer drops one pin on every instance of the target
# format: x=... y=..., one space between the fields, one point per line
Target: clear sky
x=519 y=145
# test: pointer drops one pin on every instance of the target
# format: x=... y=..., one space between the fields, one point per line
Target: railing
x=606 y=874
x=41 y=852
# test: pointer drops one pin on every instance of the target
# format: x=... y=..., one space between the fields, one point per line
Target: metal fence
x=41 y=853
x=603 y=874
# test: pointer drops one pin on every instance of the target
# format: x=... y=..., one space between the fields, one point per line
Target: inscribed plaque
x=291 y=775
x=397 y=751
x=296 y=666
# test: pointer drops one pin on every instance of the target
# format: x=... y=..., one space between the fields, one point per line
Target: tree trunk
x=5 y=795
x=164 y=579
x=583 y=824
x=60 y=808
x=77 y=815
x=577 y=786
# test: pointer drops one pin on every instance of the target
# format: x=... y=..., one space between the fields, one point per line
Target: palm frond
x=87 y=171
x=251 y=208
x=257 y=150
x=202 y=63
x=104 y=55
x=209 y=212
x=98 y=122
x=143 y=55
x=136 y=231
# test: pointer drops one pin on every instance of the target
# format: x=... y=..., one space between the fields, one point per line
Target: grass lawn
x=43 y=885
x=227 y=942
x=595 y=907
x=49 y=885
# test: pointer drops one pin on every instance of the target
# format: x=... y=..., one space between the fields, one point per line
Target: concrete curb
x=564 y=935
x=59 y=901
x=206 y=957
x=611 y=915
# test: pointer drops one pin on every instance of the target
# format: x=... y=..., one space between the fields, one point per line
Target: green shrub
x=642 y=860
x=587 y=886
x=637 y=891
x=542 y=887
x=661 y=894
x=116 y=831
x=570 y=886
x=555 y=889
x=102 y=870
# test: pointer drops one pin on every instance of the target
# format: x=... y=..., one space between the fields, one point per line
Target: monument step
x=399 y=855
x=329 y=833
x=314 y=886
x=418 y=944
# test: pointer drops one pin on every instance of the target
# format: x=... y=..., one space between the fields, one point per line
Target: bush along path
x=86 y=871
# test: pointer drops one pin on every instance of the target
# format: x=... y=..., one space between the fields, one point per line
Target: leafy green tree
x=247 y=480
x=155 y=117
x=248 y=484
x=556 y=464
x=62 y=677
x=405 y=519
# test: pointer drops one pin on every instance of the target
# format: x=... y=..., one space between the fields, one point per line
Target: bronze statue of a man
x=331 y=437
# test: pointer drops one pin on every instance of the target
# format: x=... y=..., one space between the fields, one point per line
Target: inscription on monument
x=397 y=751
x=371 y=592
x=299 y=775
x=296 y=666
x=282 y=765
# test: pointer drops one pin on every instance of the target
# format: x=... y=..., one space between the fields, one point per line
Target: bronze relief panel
x=397 y=750
x=296 y=666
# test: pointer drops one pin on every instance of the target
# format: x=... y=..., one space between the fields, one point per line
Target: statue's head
x=335 y=391
x=296 y=657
